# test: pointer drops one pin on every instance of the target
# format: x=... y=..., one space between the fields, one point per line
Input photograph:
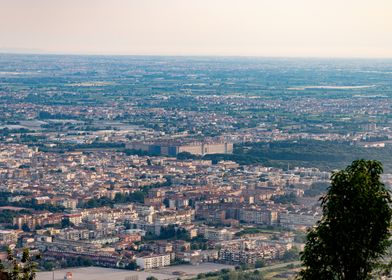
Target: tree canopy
x=353 y=234
x=13 y=269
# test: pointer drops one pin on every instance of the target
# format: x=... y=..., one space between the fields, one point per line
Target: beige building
x=298 y=219
x=218 y=234
x=171 y=148
x=8 y=237
x=207 y=148
x=258 y=216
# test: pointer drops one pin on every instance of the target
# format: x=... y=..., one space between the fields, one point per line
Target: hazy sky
x=328 y=28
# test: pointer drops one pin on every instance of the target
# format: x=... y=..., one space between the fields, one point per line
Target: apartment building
x=153 y=261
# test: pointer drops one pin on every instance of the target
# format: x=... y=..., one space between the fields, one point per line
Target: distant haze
x=306 y=28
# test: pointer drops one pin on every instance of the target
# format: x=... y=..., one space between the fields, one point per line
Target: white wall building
x=153 y=261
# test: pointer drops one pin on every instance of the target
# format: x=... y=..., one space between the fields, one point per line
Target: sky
x=282 y=28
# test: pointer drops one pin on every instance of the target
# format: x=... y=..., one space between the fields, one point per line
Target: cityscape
x=138 y=147
x=94 y=173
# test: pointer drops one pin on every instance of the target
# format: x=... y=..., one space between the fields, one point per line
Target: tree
x=353 y=234
x=48 y=265
x=132 y=265
x=66 y=223
x=13 y=272
x=26 y=228
x=290 y=198
x=259 y=263
x=28 y=266
x=291 y=255
x=18 y=270
x=166 y=202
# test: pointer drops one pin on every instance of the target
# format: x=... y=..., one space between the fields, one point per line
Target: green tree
x=132 y=265
x=291 y=255
x=353 y=233
x=65 y=223
x=259 y=263
x=26 y=228
x=28 y=266
x=166 y=202
x=13 y=269
x=49 y=265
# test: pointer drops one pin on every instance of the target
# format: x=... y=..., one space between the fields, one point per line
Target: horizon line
x=48 y=53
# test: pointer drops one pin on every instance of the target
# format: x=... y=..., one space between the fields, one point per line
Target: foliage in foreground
x=13 y=269
x=353 y=234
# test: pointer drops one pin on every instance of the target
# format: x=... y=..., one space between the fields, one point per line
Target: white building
x=298 y=219
x=218 y=234
x=153 y=261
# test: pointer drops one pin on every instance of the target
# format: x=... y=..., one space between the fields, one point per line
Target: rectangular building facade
x=172 y=149
x=153 y=261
